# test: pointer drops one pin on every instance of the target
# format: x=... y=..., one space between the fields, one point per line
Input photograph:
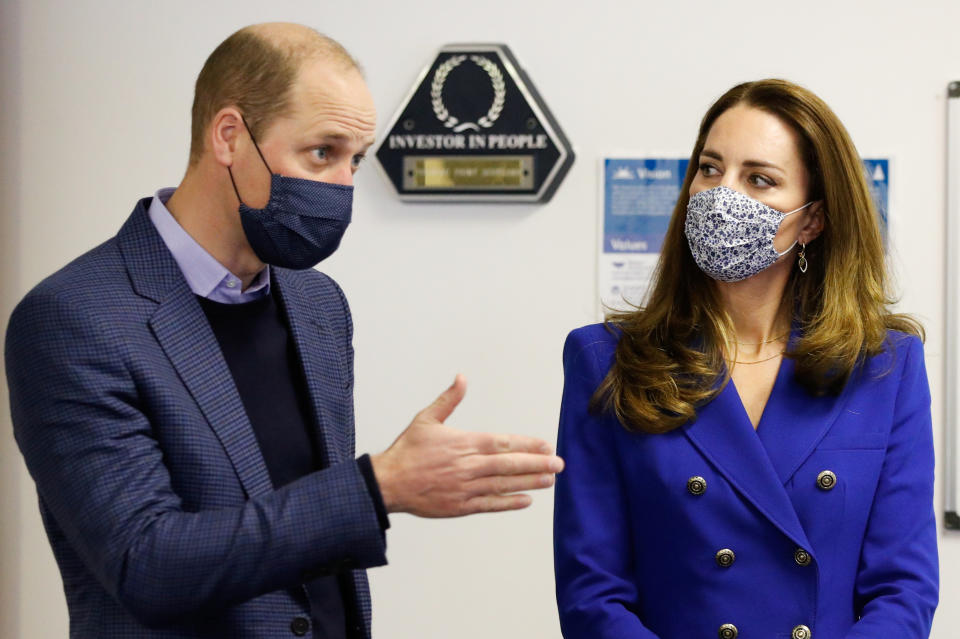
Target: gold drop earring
x=802 y=258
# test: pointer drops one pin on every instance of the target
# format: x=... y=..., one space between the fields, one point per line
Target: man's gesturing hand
x=432 y=470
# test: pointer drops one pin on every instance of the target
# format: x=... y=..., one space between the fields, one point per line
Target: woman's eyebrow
x=762 y=164
x=710 y=153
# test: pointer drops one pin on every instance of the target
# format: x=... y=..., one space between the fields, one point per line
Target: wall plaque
x=474 y=129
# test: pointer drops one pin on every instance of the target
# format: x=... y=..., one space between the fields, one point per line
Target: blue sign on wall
x=639 y=196
x=878 y=181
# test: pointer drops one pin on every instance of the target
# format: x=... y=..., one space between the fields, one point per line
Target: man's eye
x=321 y=153
x=358 y=159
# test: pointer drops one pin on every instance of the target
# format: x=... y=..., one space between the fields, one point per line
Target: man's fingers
x=490 y=443
x=516 y=464
x=443 y=406
x=506 y=484
x=492 y=504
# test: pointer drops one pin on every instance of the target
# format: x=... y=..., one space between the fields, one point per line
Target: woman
x=750 y=454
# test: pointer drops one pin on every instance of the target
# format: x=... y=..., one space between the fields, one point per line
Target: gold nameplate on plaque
x=467 y=172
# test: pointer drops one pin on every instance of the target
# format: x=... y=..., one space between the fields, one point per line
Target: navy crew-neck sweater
x=261 y=355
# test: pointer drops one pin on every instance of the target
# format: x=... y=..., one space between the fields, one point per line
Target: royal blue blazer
x=152 y=487
x=819 y=522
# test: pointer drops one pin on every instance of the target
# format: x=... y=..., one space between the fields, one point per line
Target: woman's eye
x=708 y=170
x=321 y=153
x=761 y=180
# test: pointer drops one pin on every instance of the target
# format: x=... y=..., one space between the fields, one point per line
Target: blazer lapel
x=724 y=435
x=186 y=338
x=794 y=421
x=319 y=355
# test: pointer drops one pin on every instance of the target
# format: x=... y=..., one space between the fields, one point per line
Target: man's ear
x=813 y=221
x=224 y=131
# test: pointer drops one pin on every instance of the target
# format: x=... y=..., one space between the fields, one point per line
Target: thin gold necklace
x=769 y=341
x=759 y=361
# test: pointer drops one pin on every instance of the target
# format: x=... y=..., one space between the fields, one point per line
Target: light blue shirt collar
x=204 y=274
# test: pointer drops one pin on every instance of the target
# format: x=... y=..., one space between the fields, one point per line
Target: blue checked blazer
x=153 y=490
x=636 y=543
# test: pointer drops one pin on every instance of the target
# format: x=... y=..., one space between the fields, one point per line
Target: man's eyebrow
x=328 y=137
x=341 y=137
x=751 y=163
x=333 y=136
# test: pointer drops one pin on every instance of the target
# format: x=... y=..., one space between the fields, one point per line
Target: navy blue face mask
x=303 y=222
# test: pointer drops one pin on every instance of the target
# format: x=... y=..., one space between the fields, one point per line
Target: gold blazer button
x=826 y=480
x=725 y=558
x=697 y=485
x=728 y=631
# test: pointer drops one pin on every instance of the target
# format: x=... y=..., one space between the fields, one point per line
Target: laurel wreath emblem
x=440 y=78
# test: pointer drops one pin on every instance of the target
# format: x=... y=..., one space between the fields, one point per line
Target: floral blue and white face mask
x=731 y=234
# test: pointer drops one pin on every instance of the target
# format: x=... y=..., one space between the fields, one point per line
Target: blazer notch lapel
x=320 y=359
x=188 y=341
x=724 y=435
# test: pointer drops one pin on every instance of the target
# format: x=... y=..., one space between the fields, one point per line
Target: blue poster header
x=639 y=196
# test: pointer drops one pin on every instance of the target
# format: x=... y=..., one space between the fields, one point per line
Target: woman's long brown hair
x=670 y=356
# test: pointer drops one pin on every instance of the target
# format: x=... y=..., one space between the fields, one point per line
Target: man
x=182 y=394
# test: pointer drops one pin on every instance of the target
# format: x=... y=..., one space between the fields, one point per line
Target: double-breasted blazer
x=153 y=490
x=818 y=524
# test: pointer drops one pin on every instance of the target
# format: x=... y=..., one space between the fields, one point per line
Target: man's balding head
x=254 y=70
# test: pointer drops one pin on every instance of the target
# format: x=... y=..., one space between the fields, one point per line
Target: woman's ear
x=813 y=221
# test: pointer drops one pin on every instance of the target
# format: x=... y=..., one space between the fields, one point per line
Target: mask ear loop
x=257 y=147
x=804 y=269
x=230 y=173
x=259 y=152
x=785 y=214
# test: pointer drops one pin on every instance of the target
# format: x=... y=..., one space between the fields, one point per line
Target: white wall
x=11 y=522
x=95 y=113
